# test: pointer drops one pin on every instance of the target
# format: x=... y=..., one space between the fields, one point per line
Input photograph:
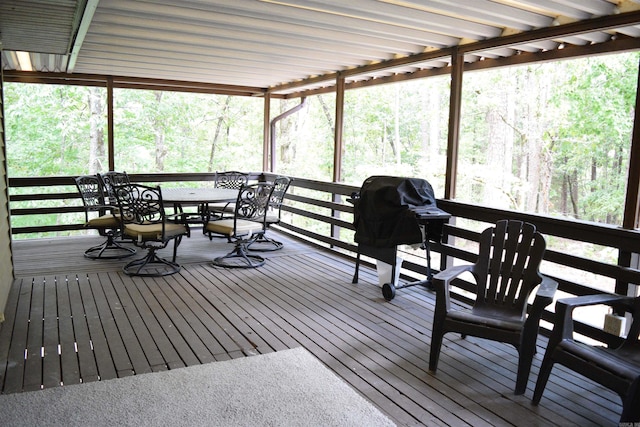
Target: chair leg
x=524 y=368
x=239 y=258
x=631 y=404
x=142 y=266
x=543 y=377
x=262 y=240
x=109 y=249
x=436 y=343
x=176 y=243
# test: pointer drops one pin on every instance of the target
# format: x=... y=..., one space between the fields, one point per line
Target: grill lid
x=382 y=210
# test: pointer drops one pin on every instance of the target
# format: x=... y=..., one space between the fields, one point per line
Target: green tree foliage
x=185 y=132
x=549 y=138
x=591 y=145
x=304 y=139
x=397 y=129
x=48 y=129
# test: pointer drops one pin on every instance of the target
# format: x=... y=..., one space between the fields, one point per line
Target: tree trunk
x=96 y=131
x=158 y=130
x=327 y=114
x=572 y=180
x=214 y=143
x=498 y=156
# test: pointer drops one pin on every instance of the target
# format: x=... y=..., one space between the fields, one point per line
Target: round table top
x=198 y=195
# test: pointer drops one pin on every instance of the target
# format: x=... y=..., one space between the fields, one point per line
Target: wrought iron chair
x=106 y=222
x=263 y=243
x=109 y=180
x=617 y=368
x=506 y=274
x=232 y=180
x=144 y=221
x=246 y=224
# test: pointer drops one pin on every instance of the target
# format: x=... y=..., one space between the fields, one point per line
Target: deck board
x=50 y=340
x=80 y=320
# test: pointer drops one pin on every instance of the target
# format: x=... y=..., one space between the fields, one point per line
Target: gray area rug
x=286 y=388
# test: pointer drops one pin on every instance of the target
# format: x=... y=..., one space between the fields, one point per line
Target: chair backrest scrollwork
x=90 y=190
x=109 y=180
x=231 y=179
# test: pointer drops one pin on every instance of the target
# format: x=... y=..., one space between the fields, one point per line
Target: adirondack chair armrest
x=586 y=300
x=441 y=282
x=565 y=307
x=545 y=293
x=451 y=273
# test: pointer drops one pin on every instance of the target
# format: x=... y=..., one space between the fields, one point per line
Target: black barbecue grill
x=389 y=211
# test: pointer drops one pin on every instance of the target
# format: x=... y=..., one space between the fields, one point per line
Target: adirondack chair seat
x=483 y=320
x=621 y=363
x=506 y=274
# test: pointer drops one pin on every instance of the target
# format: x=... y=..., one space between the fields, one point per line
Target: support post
x=266 y=140
x=110 y=138
x=455 y=102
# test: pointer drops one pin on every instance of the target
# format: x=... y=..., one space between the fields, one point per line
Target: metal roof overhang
x=290 y=48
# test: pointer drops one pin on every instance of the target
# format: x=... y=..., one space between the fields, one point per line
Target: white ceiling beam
x=83 y=28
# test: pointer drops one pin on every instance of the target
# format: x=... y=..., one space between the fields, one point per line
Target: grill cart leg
x=355 y=273
x=389 y=289
x=384 y=254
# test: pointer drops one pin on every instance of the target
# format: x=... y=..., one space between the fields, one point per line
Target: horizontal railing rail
x=319 y=212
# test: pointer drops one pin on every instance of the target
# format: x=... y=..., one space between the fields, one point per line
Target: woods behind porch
x=72 y=320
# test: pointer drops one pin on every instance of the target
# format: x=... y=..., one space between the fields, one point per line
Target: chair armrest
x=180 y=218
x=440 y=283
x=175 y=216
x=586 y=300
x=565 y=307
x=451 y=273
x=544 y=297
x=545 y=293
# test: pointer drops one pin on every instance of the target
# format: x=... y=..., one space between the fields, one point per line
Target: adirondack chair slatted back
x=507 y=268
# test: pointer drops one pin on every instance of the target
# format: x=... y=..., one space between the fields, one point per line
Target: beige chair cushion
x=154 y=231
x=222 y=207
x=272 y=218
x=104 y=221
x=225 y=227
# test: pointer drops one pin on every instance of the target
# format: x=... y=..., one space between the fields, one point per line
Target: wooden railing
x=320 y=213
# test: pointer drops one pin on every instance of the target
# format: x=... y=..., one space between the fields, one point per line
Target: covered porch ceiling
x=290 y=46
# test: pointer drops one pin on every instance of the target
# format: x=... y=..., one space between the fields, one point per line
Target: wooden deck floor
x=72 y=320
